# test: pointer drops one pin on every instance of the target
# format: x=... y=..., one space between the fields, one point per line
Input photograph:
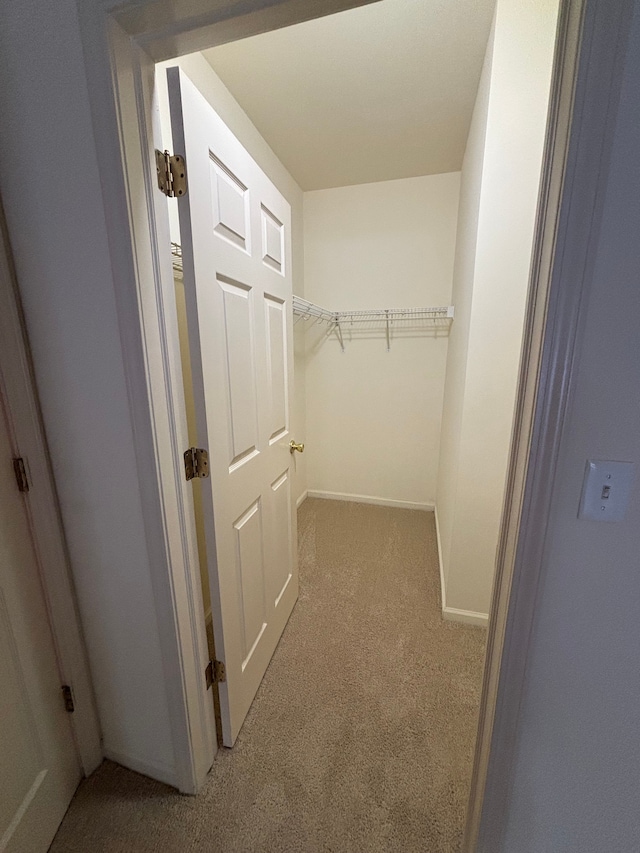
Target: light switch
x=606 y=490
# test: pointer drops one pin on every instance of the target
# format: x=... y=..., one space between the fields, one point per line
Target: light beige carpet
x=361 y=736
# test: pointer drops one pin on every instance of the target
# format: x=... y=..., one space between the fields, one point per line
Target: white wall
x=575 y=787
x=500 y=184
x=56 y=227
x=463 y=277
x=373 y=417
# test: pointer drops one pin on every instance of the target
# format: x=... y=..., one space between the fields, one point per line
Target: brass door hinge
x=172 y=174
x=20 y=471
x=215 y=673
x=67 y=695
x=196 y=463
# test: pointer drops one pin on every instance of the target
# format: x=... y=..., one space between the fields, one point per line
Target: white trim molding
x=302 y=498
x=443 y=585
x=466 y=617
x=369 y=499
x=454 y=614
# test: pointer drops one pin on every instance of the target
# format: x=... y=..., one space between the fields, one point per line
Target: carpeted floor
x=361 y=736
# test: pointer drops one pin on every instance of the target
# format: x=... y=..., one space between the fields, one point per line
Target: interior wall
x=463 y=277
x=213 y=89
x=57 y=229
x=576 y=782
x=500 y=183
x=373 y=417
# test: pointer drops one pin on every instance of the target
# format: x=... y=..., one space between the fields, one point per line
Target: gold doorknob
x=293 y=446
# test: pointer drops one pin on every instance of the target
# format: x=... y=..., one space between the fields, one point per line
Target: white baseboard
x=453 y=614
x=468 y=617
x=159 y=772
x=368 y=499
x=302 y=499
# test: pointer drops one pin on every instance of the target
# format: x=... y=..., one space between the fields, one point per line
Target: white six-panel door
x=236 y=242
x=39 y=769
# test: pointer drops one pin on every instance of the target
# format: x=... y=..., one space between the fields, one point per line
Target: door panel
x=276 y=322
x=250 y=561
x=272 y=240
x=39 y=770
x=241 y=370
x=280 y=574
x=236 y=247
x=230 y=205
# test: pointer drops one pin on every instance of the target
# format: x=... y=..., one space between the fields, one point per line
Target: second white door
x=39 y=768
x=236 y=244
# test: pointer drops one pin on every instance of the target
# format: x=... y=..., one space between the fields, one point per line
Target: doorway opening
x=403 y=407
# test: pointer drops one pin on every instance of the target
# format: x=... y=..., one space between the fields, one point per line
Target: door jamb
x=41 y=503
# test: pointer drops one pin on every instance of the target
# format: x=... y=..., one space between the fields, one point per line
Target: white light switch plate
x=606 y=490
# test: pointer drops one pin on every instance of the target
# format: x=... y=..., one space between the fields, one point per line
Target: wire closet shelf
x=437 y=319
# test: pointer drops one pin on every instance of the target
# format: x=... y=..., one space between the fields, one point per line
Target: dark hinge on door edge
x=215 y=673
x=196 y=463
x=21 y=474
x=67 y=695
x=171 y=172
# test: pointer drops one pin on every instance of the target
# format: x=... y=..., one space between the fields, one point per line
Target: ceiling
x=379 y=92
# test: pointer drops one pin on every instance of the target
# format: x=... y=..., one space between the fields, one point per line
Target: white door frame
x=18 y=388
x=122 y=40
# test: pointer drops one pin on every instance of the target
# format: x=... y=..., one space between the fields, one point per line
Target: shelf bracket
x=338 y=329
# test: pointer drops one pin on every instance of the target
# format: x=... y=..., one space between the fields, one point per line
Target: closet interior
x=399 y=406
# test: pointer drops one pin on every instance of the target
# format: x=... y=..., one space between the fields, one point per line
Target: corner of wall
x=471 y=178
x=454 y=614
x=501 y=172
